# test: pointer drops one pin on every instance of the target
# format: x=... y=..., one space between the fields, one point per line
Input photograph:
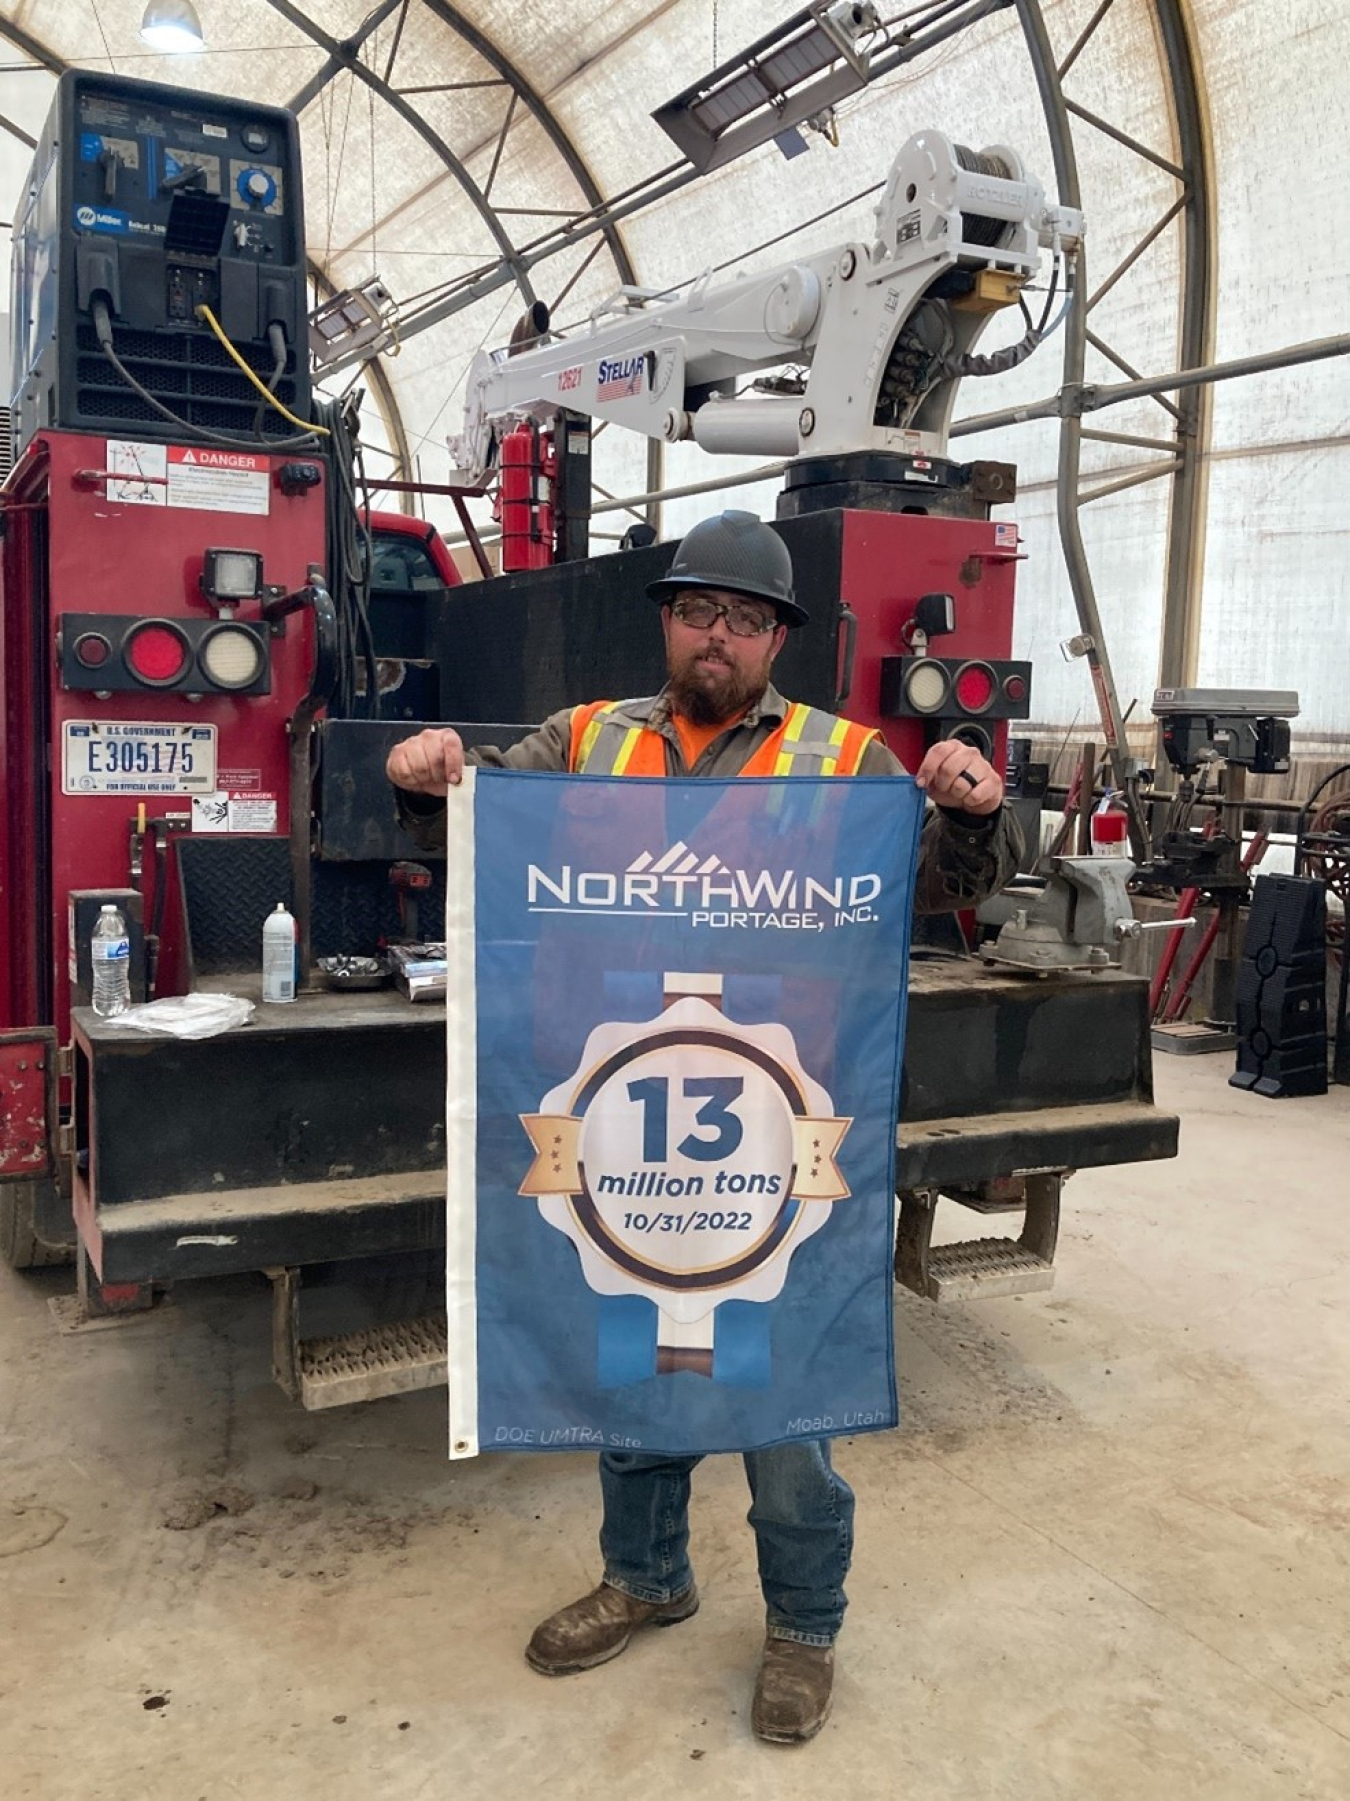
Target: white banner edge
x=461 y=1121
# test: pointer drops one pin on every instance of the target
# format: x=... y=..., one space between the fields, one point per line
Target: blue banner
x=675 y=1029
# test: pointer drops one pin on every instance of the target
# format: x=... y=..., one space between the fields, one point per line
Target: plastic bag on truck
x=187 y=1015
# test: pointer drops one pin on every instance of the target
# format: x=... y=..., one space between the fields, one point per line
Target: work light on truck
x=231 y=575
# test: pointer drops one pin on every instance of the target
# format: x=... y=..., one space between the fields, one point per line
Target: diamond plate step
x=363 y=1366
x=980 y=1267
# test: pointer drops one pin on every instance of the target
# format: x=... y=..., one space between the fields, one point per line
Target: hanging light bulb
x=172 y=25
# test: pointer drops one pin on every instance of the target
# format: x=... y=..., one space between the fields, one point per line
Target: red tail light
x=156 y=653
x=975 y=687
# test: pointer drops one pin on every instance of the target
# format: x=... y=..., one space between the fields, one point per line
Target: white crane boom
x=876 y=334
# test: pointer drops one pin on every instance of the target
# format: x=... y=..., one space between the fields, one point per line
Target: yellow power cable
x=320 y=431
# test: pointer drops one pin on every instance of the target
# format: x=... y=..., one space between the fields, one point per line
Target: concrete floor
x=1104 y=1559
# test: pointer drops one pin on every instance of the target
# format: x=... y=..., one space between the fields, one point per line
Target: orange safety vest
x=809 y=742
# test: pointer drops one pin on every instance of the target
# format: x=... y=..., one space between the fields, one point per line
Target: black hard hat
x=737 y=552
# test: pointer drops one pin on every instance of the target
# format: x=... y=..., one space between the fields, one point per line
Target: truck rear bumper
x=280 y=1145
x=950 y=1153
x=295 y=1223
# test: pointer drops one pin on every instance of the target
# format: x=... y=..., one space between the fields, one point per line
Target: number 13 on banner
x=686 y=1158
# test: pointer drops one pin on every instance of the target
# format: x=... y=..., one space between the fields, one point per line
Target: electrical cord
x=1049 y=298
x=205 y=313
x=276 y=337
x=999 y=362
x=351 y=545
x=1059 y=318
x=362 y=591
x=103 y=330
x=350 y=559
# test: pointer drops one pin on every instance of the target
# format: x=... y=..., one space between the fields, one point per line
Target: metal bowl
x=350 y=973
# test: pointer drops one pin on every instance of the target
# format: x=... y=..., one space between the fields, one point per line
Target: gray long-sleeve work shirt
x=963 y=857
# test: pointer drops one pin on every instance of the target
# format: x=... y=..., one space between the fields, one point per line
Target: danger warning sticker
x=216 y=459
x=222 y=811
x=218 y=481
x=178 y=475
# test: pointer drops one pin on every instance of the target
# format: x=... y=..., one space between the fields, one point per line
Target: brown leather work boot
x=598 y=1627
x=792 y=1697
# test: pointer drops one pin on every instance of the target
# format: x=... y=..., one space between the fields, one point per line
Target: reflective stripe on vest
x=809 y=742
x=604 y=745
x=812 y=743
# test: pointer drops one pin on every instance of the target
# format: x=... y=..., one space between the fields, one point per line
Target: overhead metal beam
x=515 y=269
x=575 y=277
x=1112 y=355
x=1264 y=362
x=544 y=117
x=338 y=62
x=1135 y=440
x=398 y=38
x=1128 y=261
x=33 y=47
x=1090 y=397
x=1124 y=137
x=501 y=146
x=1184 y=578
x=1080 y=43
x=1070 y=431
x=17 y=131
x=1136 y=480
x=451 y=87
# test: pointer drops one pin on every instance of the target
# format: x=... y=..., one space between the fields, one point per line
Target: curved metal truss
x=1187 y=416
x=1182 y=395
x=345 y=57
x=353 y=57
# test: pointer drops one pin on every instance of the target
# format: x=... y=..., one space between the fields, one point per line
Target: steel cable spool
x=975 y=227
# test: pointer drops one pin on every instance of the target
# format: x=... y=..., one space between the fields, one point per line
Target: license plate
x=104 y=756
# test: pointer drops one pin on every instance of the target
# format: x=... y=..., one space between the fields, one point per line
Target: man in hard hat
x=727 y=604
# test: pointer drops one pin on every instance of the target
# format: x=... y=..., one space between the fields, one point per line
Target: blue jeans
x=801 y=1511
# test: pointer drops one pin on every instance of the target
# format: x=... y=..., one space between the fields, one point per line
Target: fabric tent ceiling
x=450 y=136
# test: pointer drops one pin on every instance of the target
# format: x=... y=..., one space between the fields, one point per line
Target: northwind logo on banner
x=681 y=884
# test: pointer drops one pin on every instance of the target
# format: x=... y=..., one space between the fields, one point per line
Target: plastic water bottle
x=110 y=949
x=278 y=955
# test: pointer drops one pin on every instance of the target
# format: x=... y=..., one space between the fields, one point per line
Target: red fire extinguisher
x=529 y=466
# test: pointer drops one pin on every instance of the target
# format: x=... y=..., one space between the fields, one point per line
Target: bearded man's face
x=714 y=674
